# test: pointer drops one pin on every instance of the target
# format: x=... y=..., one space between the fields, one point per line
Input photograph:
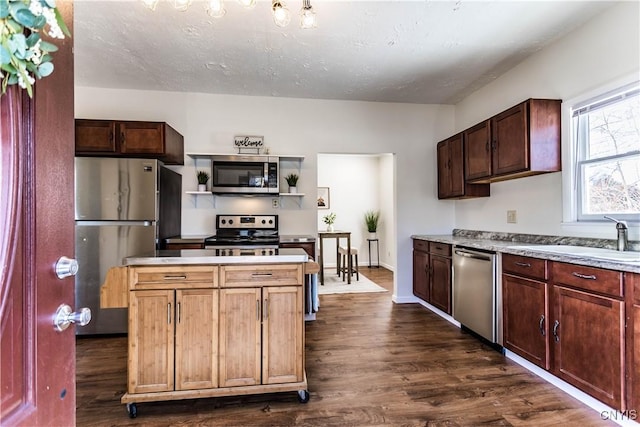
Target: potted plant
x=371 y=219
x=329 y=219
x=203 y=178
x=292 y=180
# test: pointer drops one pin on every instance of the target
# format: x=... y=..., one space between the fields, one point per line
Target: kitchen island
x=202 y=325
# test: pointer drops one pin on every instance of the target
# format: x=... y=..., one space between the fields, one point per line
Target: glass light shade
x=308 y=18
x=281 y=15
x=215 y=8
x=249 y=4
x=182 y=5
x=151 y=4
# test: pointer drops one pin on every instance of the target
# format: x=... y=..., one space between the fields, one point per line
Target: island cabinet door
x=240 y=336
x=196 y=339
x=283 y=335
x=587 y=342
x=151 y=341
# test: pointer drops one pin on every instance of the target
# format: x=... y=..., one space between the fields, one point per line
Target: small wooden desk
x=335 y=235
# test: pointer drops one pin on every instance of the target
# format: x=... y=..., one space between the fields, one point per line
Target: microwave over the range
x=240 y=174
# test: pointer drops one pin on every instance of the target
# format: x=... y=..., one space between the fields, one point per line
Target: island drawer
x=171 y=277
x=237 y=276
x=589 y=278
x=534 y=268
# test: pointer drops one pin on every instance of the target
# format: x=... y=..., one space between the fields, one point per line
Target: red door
x=37 y=375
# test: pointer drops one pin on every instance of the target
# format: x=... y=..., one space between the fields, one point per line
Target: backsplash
x=634 y=245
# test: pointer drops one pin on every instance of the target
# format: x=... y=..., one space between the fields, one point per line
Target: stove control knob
x=230 y=221
x=224 y=221
x=264 y=222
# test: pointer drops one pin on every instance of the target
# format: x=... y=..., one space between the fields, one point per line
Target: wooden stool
x=343 y=263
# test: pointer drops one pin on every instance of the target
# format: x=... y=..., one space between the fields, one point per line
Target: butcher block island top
x=202 y=325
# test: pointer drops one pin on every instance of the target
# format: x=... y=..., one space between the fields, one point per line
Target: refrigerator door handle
x=115 y=223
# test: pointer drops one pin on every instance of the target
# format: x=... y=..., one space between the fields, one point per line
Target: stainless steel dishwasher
x=475 y=296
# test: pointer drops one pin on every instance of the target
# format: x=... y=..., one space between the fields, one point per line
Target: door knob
x=64 y=317
x=66 y=267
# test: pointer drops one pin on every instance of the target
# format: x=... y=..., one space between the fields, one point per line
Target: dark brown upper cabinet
x=108 y=138
x=451 y=170
x=521 y=141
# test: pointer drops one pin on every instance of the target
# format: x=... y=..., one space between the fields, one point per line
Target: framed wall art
x=323 y=198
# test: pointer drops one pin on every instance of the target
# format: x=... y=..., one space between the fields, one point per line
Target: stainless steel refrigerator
x=123 y=207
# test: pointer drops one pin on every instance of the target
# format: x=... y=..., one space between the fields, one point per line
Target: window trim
x=600 y=227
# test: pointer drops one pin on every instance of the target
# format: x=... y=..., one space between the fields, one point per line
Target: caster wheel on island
x=132 y=409
x=303 y=396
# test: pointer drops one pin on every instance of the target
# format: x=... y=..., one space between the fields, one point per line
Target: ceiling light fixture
x=281 y=14
x=215 y=8
x=308 y=18
x=182 y=5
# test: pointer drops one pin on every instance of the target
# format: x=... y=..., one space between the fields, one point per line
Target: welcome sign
x=245 y=142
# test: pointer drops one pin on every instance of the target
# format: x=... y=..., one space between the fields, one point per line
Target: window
x=606 y=132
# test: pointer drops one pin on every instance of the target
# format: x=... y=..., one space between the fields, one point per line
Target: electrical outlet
x=275 y=203
x=511 y=217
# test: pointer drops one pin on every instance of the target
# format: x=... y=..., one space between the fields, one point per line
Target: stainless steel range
x=238 y=235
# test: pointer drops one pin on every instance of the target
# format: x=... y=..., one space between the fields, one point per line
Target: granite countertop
x=488 y=242
x=207 y=256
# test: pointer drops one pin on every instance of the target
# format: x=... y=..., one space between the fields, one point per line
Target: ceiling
x=426 y=52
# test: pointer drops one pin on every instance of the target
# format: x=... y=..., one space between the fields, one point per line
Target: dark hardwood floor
x=369 y=362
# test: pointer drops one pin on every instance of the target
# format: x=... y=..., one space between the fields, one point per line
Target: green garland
x=24 y=56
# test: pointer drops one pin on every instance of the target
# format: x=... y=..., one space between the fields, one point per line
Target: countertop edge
x=507 y=247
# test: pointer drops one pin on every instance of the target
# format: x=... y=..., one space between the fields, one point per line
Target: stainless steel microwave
x=240 y=174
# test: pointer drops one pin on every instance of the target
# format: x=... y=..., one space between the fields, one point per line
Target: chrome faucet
x=622 y=228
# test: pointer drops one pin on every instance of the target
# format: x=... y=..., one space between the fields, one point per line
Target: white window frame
x=570 y=198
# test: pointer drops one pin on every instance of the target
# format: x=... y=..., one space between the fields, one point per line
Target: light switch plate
x=511 y=217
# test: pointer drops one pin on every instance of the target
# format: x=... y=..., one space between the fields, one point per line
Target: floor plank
x=369 y=362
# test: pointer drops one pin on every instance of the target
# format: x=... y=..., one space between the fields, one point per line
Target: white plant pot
x=330 y=227
x=293 y=189
x=373 y=235
x=202 y=187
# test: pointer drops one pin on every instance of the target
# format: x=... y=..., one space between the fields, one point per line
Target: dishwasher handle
x=474 y=255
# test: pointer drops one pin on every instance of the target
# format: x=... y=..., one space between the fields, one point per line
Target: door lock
x=66 y=267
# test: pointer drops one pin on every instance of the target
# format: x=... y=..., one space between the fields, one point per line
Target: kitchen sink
x=584 y=251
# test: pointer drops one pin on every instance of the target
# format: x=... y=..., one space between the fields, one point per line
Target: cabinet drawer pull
x=541 y=325
x=523 y=264
x=175 y=277
x=585 y=276
x=169 y=313
x=555 y=331
x=261 y=274
x=265 y=310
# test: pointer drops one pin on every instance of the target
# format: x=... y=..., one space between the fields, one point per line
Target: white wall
x=358 y=183
x=302 y=127
x=604 y=50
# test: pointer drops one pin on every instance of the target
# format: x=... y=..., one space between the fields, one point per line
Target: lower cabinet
x=260 y=336
x=432 y=273
x=568 y=319
x=206 y=331
x=632 y=292
x=173 y=334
